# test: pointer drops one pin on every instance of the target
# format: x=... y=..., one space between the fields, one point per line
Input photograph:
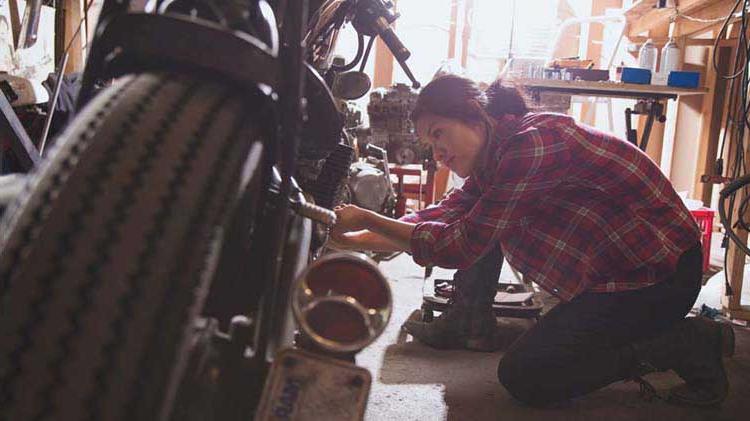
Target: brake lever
x=414 y=82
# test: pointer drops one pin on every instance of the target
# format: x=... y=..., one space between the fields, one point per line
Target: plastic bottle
x=647 y=56
x=670 y=58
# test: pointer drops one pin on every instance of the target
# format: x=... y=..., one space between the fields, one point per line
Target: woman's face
x=454 y=143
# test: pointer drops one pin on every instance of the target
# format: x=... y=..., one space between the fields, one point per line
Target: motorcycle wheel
x=107 y=256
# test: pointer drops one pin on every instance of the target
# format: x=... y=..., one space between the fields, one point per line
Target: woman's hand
x=350 y=218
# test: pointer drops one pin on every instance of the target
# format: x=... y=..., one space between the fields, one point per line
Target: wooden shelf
x=643 y=17
x=607 y=89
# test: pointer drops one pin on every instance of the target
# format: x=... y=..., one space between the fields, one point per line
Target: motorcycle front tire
x=107 y=256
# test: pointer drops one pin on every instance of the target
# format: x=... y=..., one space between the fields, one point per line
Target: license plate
x=306 y=387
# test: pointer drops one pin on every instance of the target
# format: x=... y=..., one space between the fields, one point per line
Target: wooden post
x=594 y=51
x=383 y=77
x=73 y=14
x=714 y=105
x=453 y=29
x=656 y=140
x=466 y=33
x=383 y=65
x=683 y=141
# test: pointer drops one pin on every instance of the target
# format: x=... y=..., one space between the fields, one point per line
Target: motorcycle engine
x=390 y=126
x=369 y=189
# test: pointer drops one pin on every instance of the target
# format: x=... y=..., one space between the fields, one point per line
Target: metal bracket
x=653 y=109
x=20 y=143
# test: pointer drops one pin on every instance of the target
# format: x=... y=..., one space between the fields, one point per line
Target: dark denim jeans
x=582 y=345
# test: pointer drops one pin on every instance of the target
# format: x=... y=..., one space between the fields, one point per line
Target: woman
x=586 y=216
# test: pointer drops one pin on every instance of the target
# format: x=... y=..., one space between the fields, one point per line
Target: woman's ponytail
x=503 y=99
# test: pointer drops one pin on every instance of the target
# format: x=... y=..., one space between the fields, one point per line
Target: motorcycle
x=158 y=262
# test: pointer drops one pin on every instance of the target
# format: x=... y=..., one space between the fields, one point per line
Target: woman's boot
x=694 y=349
x=469 y=322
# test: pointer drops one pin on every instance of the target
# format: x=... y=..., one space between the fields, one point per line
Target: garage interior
x=153 y=267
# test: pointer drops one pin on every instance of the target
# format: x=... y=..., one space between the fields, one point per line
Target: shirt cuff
x=423 y=240
x=412 y=218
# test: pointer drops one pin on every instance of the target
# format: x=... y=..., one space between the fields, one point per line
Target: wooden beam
x=452 y=30
x=714 y=105
x=570 y=38
x=73 y=14
x=383 y=73
x=383 y=65
x=649 y=21
x=682 y=145
x=642 y=17
x=656 y=139
x=594 y=51
x=739 y=313
x=715 y=10
x=466 y=33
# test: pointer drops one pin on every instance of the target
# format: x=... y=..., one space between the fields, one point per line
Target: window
x=534 y=27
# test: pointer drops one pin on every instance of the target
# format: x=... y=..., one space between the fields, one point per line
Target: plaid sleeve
x=452 y=207
x=531 y=166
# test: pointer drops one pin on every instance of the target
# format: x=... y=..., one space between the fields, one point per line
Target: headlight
x=342 y=301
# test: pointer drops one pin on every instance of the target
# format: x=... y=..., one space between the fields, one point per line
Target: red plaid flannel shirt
x=573 y=208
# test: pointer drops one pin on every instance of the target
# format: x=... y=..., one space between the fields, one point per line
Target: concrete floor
x=414 y=382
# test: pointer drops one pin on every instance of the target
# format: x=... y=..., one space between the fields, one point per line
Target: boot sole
x=727 y=343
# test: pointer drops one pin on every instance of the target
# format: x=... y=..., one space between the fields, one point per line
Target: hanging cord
x=722 y=33
x=677 y=14
x=736 y=122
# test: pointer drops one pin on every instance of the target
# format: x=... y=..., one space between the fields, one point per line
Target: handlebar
x=400 y=52
x=374 y=17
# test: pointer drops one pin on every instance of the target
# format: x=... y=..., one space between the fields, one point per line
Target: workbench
x=608 y=89
x=650 y=98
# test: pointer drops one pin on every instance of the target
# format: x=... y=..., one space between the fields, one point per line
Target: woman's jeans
x=583 y=345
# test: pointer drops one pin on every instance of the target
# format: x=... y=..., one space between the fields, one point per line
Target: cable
x=722 y=34
x=731 y=213
x=357 y=57
x=681 y=15
x=367 y=54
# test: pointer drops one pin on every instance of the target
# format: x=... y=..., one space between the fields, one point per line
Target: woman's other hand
x=350 y=218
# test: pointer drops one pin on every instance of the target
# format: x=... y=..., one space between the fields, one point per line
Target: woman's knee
x=518 y=378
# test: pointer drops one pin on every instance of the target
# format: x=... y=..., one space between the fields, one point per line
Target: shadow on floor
x=472 y=392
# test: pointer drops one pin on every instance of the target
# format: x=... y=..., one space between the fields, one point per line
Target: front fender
x=141 y=42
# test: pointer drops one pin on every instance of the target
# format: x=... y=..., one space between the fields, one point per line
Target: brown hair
x=460 y=98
